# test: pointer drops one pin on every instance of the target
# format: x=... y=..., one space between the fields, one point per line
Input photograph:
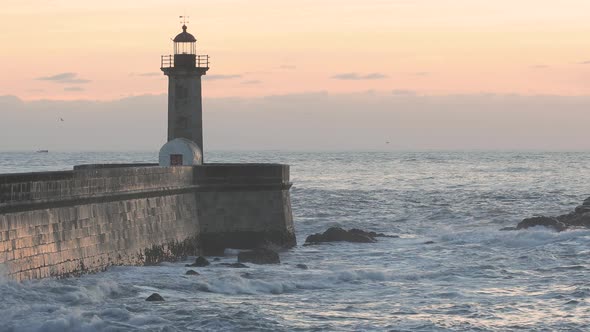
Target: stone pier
x=56 y=224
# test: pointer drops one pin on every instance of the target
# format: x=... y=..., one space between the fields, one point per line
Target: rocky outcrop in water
x=155 y=297
x=337 y=234
x=259 y=256
x=542 y=221
x=580 y=217
x=199 y=262
x=192 y=273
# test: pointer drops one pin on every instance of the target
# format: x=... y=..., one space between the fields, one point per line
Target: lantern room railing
x=201 y=61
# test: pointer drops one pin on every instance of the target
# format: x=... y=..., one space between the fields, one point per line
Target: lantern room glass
x=185 y=48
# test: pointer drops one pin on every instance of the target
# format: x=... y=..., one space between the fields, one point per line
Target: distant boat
x=42 y=151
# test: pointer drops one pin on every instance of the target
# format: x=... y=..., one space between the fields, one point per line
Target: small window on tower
x=175 y=160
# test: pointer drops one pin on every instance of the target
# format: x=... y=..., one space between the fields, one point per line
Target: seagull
x=60 y=120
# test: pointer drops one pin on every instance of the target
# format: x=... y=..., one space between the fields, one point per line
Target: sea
x=451 y=269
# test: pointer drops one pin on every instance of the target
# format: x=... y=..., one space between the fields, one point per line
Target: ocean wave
x=526 y=238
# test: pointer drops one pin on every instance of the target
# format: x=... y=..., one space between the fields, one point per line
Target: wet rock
x=581 y=219
x=337 y=234
x=508 y=229
x=582 y=209
x=371 y=234
x=301 y=266
x=235 y=265
x=199 y=262
x=259 y=256
x=542 y=221
x=155 y=297
x=192 y=273
x=216 y=259
x=247 y=275
x=429 y=242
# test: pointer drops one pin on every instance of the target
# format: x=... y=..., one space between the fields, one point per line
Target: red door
x=175 y=160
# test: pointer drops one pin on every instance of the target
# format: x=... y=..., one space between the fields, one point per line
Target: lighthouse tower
x=185 y=109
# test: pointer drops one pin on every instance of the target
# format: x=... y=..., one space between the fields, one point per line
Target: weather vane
x=183 y=19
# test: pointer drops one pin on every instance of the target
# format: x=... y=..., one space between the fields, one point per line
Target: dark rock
x=235 y=265
x=335 y=234
x=199 y=262
x=259 y=256
x=247 y=275
x=155 y=297
x=192 y=273
x=576 y=219
x=567 y=218
x=371 y=234
x=542 y=221
x=580 y=217
x=508 y=229
x=582 y=209
x=429 y=242
x=216 y=259
x=301 y=266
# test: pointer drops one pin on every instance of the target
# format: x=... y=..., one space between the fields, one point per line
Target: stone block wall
x=244 y=206
x=89 y=181
x=57 y=224
x=65 y=223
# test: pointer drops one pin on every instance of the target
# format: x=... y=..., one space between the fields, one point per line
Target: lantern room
x=185 y=54
x=185 y=49
x=185 y=43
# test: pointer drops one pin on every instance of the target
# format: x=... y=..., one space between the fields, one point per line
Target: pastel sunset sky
x=266 y=47
x=60 y=51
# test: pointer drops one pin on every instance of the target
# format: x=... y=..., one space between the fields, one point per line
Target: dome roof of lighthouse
x=184 y=37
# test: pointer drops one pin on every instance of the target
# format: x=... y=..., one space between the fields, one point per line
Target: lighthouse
x=185 y=108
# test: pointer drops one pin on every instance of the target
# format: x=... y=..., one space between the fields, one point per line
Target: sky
x=422 y=74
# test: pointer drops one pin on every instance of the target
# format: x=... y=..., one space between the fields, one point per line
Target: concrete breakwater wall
x=55 y=224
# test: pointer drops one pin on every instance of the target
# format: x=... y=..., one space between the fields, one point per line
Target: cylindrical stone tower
x=184 y=70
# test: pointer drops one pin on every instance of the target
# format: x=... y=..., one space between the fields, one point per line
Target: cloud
x=411 y=122
x=251 y=82
x=356 y=76
x=288 y=67
x=420 y=73
x=540 y=66
x=68 y=78
x=401 y=92
x=148 y=74
x=584 y=62
x=73 y=88
x=58 y=77
x=222 y=77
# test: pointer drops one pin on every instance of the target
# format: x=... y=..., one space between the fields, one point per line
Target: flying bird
x=60 y=120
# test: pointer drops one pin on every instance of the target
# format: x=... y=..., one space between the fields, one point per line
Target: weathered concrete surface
x=244 y=206
x=66 y=224
x=185 y=108
x=189 y=152
x=57 y=224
